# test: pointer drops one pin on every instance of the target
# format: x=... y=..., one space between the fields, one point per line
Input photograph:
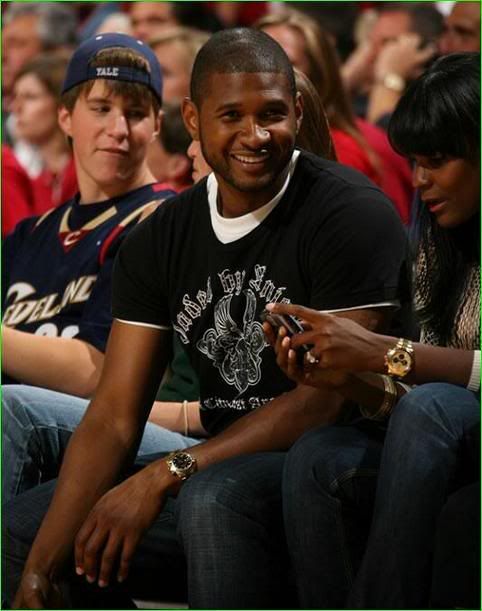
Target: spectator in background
x=149 y=19
x=29 y=28
x=311 y=50
x=462 y=29
x=402 y=40
x=167 y=156
x=176 y=49
x=35 y=108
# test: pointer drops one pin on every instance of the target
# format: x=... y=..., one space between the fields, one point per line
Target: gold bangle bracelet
x=389 y=399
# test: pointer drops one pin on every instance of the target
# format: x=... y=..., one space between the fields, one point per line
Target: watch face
x=182 y=461
x=400 y=362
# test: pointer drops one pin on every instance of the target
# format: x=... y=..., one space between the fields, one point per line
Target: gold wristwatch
x=181 y=464
x=399 y=360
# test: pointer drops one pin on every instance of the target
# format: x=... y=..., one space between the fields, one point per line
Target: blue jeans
x=344 y=475
x=229 y=521
x=36 y=427
x=329 y=484
x=230 y=565
x=432 y=448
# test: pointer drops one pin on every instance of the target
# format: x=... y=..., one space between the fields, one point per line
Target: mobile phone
x=292 y=326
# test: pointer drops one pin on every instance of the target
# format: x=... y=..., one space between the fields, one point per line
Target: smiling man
x=269 y=224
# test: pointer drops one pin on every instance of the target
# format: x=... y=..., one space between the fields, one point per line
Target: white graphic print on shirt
x=234 y=351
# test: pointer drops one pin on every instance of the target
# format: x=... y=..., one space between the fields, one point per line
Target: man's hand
x=116 y=523
x=36 y=591
x=404 y=57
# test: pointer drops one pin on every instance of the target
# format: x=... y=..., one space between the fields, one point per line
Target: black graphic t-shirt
x=332 y=242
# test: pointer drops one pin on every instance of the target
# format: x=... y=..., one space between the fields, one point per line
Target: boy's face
x=110 y=137
x=247 y=125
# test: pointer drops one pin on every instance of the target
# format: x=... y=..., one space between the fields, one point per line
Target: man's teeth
x=250 y=159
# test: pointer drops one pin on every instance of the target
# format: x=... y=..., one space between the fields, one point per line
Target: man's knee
x=246 y=485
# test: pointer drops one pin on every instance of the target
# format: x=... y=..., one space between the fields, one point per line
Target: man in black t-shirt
x=270 y=224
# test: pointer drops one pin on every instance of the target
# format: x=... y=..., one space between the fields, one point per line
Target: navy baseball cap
x=79 y=69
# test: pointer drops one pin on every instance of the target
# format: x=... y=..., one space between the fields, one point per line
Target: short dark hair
x=239 y=50
x=440 y=111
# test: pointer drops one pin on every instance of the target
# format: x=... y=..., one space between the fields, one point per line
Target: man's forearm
x=63 y=364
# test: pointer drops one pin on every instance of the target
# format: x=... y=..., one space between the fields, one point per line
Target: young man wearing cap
x=57 y=268
x=270 y=224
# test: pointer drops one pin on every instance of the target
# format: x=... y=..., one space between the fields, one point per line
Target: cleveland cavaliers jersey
x=57 y=267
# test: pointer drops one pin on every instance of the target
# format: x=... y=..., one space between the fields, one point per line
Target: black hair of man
x=239 y=50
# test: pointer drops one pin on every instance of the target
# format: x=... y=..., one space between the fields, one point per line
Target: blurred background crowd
x=359 y=57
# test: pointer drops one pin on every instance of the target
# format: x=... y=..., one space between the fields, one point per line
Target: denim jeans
x=432 y=448
x=36 y=427
x=230 y=564
x=337 y=472
x=329 y=486
x=229 y=521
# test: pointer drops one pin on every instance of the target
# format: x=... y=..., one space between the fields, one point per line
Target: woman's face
x=293 y=44
x=35 y=110
x=450 y=188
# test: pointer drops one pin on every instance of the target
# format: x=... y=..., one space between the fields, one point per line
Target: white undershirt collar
x=231 y=229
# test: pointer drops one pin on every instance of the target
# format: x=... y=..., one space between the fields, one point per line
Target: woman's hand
x=303 y=371
x=337 y=343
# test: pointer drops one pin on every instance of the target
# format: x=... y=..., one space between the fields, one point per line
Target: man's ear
x=65 y=121
x=298 y=111
x=190 y=115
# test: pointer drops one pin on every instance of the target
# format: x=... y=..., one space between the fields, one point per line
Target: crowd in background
x=358 y=55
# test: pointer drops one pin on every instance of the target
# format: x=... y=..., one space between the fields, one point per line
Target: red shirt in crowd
x=17 y=192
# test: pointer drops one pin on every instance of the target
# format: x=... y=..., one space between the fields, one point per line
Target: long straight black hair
x=439 y=115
